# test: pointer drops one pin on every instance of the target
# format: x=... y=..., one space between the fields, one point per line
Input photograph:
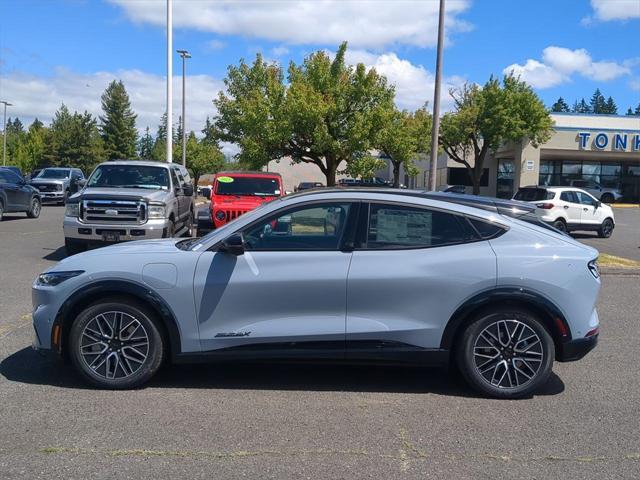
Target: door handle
x=566 y=207
x=585 y=209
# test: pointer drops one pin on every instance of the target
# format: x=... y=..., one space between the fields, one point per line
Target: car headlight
x=51 y=279
x=157 y=211
x=72 y=210
x=594 y=268
x=220 y=215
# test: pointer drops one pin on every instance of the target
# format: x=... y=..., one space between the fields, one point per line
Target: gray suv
x=357 y=275
x=57 y=184
x=129 y=200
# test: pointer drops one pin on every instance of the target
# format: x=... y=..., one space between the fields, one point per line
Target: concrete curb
x=623 y=271
x=624 y=205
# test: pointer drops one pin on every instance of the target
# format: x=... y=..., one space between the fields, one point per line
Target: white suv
x=569 y=209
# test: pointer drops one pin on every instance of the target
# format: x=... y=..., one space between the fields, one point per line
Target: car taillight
x=545 y=206
x=593 y=332
x=594 y=268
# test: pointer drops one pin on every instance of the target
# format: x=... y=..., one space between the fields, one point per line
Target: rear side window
x=398 y=226
x=533 y=194
x=486 y=230
x=569 y=197
x=7 y=176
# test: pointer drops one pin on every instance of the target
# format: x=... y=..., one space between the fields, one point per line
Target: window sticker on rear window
x=225 y=179
x=402 y=227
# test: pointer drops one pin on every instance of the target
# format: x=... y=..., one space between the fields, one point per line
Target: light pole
x=436 y=102
x=184 y=54
x=169 y=81
x=4 y=132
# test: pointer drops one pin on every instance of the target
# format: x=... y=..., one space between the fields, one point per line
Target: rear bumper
x=92 y=232
x=576 y=349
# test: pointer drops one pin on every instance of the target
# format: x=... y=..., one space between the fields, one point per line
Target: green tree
x=36 y=124
x=598 y=104
x=629 y=112
x=118 y=124
x=637 y=110
x=145 y=145
x=560 y=106
x=402 y=136
x=327 y=115
x=611 y=108
x=74 y=141
x=484 y=118
x=30 y=150
x=364 y=166
x=210 y=133
x=203 y=157
x=581 y=107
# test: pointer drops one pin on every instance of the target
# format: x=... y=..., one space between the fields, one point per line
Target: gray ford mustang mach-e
x=350 y=275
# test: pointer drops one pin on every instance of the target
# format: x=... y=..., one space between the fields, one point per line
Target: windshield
x=261 y=186
x=53 y=173
x=129 y=176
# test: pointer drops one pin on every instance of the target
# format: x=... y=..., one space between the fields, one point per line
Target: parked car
x=370 y=182
x=129 y=200
x=236 y=193
x=453 y=189
x=355 y=275
x=15 y=170
x=308 y=186
x=32 y=175
x=569 y=209
x=604 y=194
x=56 y=184
x=17 y=196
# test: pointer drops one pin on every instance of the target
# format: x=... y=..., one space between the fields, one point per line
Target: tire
x=36 y=207
x=73 y=246
x=502 y=367
x=1 y=211
x=606 y=229
x=171 y=229
x=102 y=355
x=560 y=224
x=607 y=198
x=64 y=199
x=189 y=225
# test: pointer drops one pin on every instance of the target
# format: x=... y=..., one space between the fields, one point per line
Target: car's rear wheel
x=1 y=211
x=606 y=229
x=189 y=225
x=35 y=208
x=560 y=224
x=506 y=354
x=116 y=344
x=607 y=198
x=73 y=246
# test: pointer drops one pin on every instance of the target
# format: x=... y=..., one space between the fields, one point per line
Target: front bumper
x=93 y=232
x=576 y=349
x=51 y=197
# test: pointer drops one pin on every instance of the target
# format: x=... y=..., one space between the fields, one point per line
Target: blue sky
x=68 y=50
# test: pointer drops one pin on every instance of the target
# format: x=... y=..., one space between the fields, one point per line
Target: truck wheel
x=73 y=246
x=607 y=198
x=36 y=206
x=171 y=229
x=189 y=225
x=64 y=199
x=1 y=211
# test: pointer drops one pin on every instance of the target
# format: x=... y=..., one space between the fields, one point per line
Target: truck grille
x=233 y=214
x=114 y=211
x=48 y=187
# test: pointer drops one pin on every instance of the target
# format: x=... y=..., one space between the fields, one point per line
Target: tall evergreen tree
x=560 y=106
x=598 y=103
x=36 y=124
x=611 y=108
x=581 y=107
x=629 y=112
x=145 y=145
x=637 y=110
x=118 y=125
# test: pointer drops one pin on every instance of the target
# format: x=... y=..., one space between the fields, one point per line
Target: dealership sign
x=610 y=141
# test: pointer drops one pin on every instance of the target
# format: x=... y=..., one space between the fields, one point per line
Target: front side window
x=398 y=226
x=7 y=176
x=312 y=227
x=586 y=199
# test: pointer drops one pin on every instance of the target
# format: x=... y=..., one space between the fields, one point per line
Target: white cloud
x=634 y=84
x=213 y=45
x=414 y=84
x=364 y=23
x=280 y=51
x=40 y=97
x=559 y=64
x=607 y=10
x=536 y=74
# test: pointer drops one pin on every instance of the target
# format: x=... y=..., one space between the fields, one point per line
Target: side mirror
x=233 y=244
x=598 y=204
x=187 y=190
x=82 y=182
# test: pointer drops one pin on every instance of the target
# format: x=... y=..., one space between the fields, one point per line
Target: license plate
x=111 y=236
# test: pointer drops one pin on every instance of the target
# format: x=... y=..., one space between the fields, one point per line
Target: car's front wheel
x=606 y=229
x=607 y=198
x=506 y=354
x=34 y=208
x=116 y=344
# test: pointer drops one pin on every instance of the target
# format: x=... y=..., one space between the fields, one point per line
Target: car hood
x=149 y=195
x=60 y=181
x=146 y=247
x=247 y=202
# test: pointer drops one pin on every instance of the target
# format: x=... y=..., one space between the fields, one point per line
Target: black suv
x=17 y=196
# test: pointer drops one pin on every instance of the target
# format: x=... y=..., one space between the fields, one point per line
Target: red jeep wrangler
x=235 y=193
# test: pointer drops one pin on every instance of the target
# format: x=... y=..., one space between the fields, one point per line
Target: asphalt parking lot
x=625 y=240
x=277 y=421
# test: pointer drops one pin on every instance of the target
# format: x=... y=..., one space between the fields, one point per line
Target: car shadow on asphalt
x=56 y=255
x=27 y=366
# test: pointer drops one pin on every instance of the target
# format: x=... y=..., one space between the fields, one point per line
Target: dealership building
x=601 y=150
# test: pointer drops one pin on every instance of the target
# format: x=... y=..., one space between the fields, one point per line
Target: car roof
x=512 y=208
x=143 y=163
x=247 y=173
